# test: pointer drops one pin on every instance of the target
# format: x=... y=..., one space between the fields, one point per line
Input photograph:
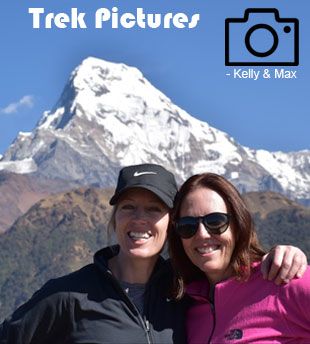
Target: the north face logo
x=234 y=334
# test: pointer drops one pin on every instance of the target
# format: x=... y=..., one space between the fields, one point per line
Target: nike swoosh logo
x=137 y=174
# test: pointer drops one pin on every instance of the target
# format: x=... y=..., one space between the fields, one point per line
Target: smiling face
x=141 y=221
x=210 y=253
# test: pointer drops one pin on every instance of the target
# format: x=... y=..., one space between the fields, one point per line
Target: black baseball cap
x=152 y=177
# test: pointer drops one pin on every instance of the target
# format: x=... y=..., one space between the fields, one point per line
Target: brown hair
x=247 y=247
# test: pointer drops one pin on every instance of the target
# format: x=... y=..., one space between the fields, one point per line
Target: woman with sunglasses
x=123 y=297
x=217 y=258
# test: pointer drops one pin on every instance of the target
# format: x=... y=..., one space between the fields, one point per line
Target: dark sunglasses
x=215 y=223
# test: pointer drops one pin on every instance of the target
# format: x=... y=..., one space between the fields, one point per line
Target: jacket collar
x=198 y=290
x=102 y=256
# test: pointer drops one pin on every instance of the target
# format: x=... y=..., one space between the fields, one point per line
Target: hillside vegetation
x=59 y=234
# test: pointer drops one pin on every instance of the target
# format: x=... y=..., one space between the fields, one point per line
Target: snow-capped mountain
x=109 y=116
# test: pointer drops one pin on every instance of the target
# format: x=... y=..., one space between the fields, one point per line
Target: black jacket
x=89 y=306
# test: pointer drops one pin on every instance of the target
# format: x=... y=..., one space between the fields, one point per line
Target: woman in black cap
x=123 y=297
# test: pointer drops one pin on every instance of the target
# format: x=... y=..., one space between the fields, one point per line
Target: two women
x=123 y=297
x=217 y=257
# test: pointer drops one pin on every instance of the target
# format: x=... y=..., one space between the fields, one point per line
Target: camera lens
x=267 y=52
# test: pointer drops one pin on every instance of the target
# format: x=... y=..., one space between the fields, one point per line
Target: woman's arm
x=45 y=318
x=293 y=307
x=284 y=263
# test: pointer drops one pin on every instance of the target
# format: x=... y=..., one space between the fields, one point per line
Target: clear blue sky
x=187 y=65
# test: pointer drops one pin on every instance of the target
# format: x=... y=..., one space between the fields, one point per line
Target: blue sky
x=186 y=64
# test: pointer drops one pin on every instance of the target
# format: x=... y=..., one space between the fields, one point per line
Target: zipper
x=212 y=306
x=144 y=322
x=147 y=327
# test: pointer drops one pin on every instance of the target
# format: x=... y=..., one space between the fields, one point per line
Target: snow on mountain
x=22 y=166
x=19 y=166
x=109 y=116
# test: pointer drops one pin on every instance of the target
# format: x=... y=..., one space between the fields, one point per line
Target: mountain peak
x=97 y=87
x=109 y=115
x=110 y=67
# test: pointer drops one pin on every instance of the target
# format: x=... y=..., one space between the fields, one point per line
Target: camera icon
x=261 y=38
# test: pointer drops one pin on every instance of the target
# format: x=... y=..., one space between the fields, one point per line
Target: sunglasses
x=215 y=223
